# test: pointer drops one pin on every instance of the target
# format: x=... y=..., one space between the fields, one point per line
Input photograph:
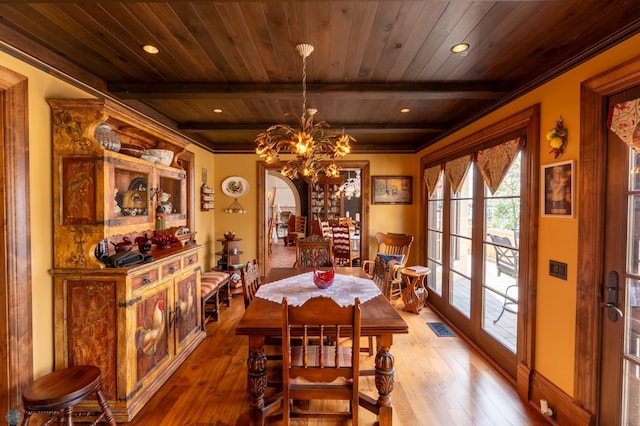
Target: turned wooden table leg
x=257 y=378
x=385 y=380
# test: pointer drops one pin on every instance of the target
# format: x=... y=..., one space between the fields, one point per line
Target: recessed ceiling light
x=217 y=110
x=460 y=47
x=149 y=48
x=404 y=110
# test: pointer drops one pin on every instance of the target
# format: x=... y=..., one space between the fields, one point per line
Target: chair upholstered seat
x=210 y=284
x=317 y=356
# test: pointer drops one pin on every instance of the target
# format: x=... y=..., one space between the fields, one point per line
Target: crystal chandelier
x=351 y=186
x=315 y=146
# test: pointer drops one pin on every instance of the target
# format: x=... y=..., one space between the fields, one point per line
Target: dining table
x=263 y=318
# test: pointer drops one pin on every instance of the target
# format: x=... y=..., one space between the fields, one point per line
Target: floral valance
x=431 y=176
x=623 y=121
x=456 y=171
x=494 y=162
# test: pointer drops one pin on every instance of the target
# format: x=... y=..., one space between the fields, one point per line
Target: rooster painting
x=186 y=306
x=148 y=338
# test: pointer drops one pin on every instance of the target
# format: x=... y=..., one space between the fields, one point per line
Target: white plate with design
x=235 y=186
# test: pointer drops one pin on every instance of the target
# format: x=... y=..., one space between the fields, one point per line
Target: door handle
x=615 y=309
x=613 y=313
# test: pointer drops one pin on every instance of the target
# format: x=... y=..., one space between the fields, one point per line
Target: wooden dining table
x=264 y=318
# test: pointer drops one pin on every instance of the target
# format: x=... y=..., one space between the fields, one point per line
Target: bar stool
x=56 y=394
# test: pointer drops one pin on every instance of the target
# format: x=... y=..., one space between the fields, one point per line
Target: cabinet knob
x=145 y=279
x=171 y=269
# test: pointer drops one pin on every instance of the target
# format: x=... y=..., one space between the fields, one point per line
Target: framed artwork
x=392 y=189
x=558 y=189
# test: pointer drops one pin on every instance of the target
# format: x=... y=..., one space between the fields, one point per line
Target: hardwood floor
x=438 y=381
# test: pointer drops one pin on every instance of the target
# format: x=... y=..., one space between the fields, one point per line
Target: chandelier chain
x=304 y=87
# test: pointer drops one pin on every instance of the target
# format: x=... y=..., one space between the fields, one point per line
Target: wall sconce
x=235 y=207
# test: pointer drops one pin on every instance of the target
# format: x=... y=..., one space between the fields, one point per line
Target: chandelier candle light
x=315 y=146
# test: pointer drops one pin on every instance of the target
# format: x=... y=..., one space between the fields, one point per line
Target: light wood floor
x=438 y=381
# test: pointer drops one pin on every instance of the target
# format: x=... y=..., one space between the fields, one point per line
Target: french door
x=620 y=289
x=473 y=253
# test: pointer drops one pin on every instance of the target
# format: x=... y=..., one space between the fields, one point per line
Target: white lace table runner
x=300 y=288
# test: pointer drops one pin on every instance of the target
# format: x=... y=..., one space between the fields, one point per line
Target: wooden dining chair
x=392 y=246
x=343 y=253
x=297 y=229
x=321 y=371
x=250 y=278
x=311 y=248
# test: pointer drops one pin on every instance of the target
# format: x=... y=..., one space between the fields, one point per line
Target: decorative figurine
x=165 y=203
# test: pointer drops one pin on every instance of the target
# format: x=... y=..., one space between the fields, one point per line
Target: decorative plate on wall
x=235 y=186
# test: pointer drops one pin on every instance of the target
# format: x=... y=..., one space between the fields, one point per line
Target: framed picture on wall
x=392 y=189
x=558 y=189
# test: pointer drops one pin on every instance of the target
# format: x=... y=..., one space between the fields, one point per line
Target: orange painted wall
x=557 y=237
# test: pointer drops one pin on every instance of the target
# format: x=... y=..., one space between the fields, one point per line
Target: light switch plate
x=558 y=269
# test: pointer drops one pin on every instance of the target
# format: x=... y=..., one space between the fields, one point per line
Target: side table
x=415 y=293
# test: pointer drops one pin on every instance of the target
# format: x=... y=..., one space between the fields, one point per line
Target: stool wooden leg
x=27 y=416
x=68 y=416
x=104 y=406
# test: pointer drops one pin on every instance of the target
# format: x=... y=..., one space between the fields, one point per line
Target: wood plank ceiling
x=371 y=59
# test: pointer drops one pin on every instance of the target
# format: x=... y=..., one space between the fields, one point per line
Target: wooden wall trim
x=17 y=350
x=566 y=411
x=591 y=184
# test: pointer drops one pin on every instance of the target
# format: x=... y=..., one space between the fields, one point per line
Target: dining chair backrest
x=391 y=243
x=343 y=254
x=321 y=371
x=311 y=248
x=250 y=278
x=350 y=222
x=297 y=229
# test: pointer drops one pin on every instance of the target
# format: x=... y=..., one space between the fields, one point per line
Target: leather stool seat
x=56 y=394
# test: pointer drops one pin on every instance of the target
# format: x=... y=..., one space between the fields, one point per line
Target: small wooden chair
x=321 y=371
x=310 y=248
x=297 y=229
x=58 y=392
x=250 y=277
x=343 y=254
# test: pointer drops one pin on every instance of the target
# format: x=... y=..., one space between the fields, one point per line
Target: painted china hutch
x=139 y=321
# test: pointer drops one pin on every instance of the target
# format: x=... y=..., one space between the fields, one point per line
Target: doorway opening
x=266 y=199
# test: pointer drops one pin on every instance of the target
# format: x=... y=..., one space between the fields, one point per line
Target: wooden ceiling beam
x=349 y=127
x=431 y=90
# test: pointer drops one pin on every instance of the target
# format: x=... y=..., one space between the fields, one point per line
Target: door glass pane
x=502 y=259
x=460 y=246
x=631 y=308
x=631 y=356
x=460 y=293
x=435 y=210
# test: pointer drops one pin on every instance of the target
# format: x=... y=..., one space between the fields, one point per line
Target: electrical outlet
x=558 y=269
